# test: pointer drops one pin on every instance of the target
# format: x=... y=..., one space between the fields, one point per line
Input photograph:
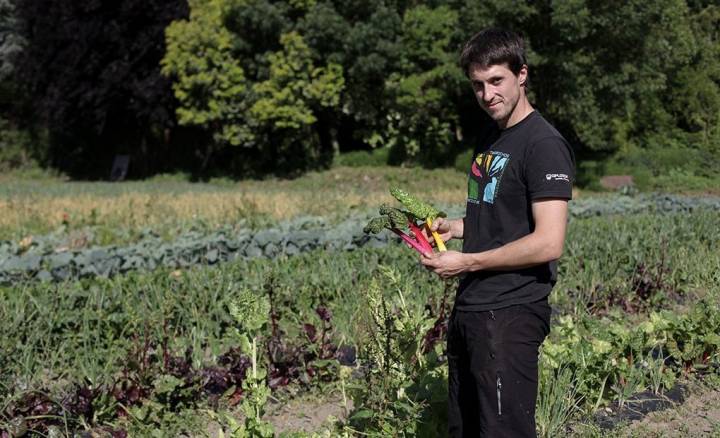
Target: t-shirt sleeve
x=550 y=169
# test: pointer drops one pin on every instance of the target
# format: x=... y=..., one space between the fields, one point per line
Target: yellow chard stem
x=438 y=240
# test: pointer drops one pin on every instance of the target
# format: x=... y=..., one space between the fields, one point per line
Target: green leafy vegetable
x=420 y=209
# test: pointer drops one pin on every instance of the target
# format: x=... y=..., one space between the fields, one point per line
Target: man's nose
x=488 y=95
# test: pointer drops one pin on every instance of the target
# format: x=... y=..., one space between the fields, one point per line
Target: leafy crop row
x=613 y=358
x=650 y=203
x=42 y=259
x=42 y=263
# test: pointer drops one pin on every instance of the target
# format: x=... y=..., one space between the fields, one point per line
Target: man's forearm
x=525 y=252
x=544 y=244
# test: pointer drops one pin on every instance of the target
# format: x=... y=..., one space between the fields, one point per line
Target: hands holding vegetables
x=433 y=227
x=448 y=263
x=421 y=210
x=446 y=228
x=396 y=220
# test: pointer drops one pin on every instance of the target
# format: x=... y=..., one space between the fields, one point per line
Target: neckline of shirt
x=530 y=115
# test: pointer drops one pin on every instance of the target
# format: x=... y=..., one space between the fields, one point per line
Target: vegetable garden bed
x=158 y=350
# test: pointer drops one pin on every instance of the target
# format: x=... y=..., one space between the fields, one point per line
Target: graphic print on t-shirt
x=486 y=172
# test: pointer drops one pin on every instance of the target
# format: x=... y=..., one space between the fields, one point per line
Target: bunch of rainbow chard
x=398 y=221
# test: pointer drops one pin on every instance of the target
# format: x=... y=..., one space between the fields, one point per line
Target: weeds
x=395 y=398
x=391 y=353
x=558 y=401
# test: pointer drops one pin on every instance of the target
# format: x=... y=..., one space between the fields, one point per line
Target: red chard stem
x=410 y=241
x=419 y=236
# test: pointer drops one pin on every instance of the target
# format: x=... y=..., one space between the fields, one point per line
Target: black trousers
x=493 y=366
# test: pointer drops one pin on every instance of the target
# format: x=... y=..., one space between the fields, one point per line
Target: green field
x=185 y=351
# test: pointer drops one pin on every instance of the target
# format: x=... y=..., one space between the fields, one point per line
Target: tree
x=696 y=91
x=269 y=119
x=92 y=71
x=282 y=85
x=605 y=66
x=423 y=124
x=16 y=147
x=290 y=102
x=10 y=40
x=209 y=83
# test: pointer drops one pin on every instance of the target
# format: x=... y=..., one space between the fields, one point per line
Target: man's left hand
x=446 y=264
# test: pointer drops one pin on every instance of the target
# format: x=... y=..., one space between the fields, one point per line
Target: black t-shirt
x=528 y=161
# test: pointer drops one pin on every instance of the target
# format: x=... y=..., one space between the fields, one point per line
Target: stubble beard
x=503 y=116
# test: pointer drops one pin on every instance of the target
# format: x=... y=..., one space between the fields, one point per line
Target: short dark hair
x=494 y=46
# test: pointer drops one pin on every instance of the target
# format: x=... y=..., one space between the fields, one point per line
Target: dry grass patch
x=335 y=193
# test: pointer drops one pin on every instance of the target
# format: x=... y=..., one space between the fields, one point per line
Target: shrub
x=463 y=160
x=375 y=157
x=14 y=147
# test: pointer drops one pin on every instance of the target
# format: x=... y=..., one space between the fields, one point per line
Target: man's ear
x=523 y=75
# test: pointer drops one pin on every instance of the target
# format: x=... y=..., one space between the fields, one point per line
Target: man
x=513 y=232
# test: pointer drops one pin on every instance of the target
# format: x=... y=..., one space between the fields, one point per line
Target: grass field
x=174 y=352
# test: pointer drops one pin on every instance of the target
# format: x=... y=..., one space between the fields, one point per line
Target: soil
x=687 y=411
x=697 y=416
x=638 y=406
x=308 y=414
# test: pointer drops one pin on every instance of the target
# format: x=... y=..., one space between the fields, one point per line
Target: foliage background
x=252 y=87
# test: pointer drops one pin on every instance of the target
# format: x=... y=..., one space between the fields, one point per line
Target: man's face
x=497 y=89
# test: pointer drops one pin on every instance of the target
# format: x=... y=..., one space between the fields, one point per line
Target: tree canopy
x=91 y=71
x=267 y=86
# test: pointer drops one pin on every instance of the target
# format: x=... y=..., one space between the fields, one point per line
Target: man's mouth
x=493 y=105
